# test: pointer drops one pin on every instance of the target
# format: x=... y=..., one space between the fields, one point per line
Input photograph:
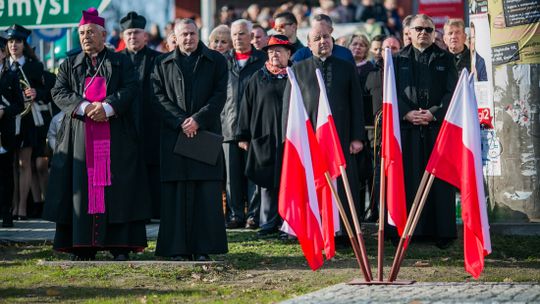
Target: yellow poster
x=515 y=31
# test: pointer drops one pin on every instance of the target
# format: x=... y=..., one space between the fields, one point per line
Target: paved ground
x=40 y=230
x=425 y=293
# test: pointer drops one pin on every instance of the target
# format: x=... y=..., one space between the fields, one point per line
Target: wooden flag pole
x=356 y=221
x=410 y=219
x=415 y=222
x=349 y=230
x=382 y=204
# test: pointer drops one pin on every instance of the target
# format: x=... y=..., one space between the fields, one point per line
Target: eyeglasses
x=283 y=25
x=419 y=29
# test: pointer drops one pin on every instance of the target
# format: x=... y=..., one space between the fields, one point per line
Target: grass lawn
x=255 y=271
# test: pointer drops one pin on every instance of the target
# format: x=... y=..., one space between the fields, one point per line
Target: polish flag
x=330 y=145
x=457 y=159
x=391 y=149
x=301 y=171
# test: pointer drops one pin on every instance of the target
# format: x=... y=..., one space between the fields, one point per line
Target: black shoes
x=198 y=257
x=444 y=243
x=267 y=232
x=235 y=223
x=7 y=221
x=182 y=258
x=86 y=256
x=201 y=257
x=251 y=224
x=20 y=217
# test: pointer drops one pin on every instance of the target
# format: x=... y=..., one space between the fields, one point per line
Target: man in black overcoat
x=425 y=80
x=146 y=119
x=94 y=88
x=344 y=95
x=190 y=85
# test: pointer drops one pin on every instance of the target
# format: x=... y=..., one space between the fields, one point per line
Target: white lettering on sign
x=40 y=5
x=19 y=5
x=27 y=8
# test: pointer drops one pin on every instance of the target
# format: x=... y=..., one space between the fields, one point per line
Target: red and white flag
x=301 y=170
x=330 y=147
x=457 y=159
x=391 y=150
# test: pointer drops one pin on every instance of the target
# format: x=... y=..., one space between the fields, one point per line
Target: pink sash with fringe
x=98 y=149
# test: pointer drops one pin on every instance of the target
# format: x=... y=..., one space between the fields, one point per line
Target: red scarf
x=242 y=56
x=274 y=69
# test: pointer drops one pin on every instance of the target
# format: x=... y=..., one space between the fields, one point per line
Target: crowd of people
x=194 y=135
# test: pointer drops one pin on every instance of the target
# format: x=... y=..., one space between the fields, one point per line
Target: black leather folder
x=204 y=147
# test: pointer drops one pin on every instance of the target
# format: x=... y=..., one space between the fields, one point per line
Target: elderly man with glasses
x=425 y=79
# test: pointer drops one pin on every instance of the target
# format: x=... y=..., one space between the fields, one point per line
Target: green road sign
x=45 y=13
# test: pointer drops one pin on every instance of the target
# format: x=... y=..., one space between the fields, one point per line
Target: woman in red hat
x=260 y=128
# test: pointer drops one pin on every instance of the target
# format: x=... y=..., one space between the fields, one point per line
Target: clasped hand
x=419 y=117
x=96 y=112
x=190 y=127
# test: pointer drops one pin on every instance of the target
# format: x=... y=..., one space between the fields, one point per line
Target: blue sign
x=50 y=35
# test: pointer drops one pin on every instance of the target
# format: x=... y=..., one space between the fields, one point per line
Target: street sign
x=50 y=35
x=46 y=13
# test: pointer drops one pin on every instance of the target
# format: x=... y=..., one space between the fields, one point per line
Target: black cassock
x=426 y=80
x=345 y=98
x=127 y=199
x=192 y=219
x=147 y=120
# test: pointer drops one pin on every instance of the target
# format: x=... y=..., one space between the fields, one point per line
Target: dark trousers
x=239 y=189
x=269 y=217
x=6 y=183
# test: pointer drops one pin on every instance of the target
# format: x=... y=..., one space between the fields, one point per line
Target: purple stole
x=98 y=148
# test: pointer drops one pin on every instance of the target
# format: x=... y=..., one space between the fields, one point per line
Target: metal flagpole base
x=363 y=282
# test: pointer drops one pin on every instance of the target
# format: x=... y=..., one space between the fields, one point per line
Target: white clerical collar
x=323 y=59
x=21 y=60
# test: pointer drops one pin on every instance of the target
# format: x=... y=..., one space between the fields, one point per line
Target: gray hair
x=244 y=22
x=423 y=17
x=184 y=21
x=323 y=17
x=99 y=27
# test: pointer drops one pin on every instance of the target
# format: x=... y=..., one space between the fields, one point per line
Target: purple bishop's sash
x=98 y=148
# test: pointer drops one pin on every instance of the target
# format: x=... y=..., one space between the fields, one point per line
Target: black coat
x=67 y=192
x=344 y=94
x=146 y=118
x=12 y=102
x=260 y=124
x=30 y=134
x=345 y=98
x=238 y=79
x=438 y=217
x=209 y=89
